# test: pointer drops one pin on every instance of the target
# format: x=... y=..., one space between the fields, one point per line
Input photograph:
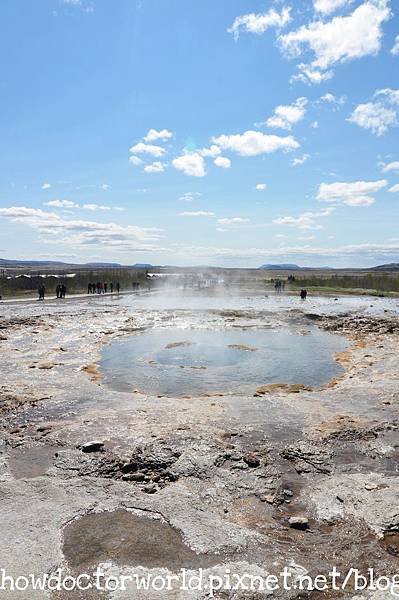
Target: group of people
x=279 y=286
x=102 y=287
x=60 y=290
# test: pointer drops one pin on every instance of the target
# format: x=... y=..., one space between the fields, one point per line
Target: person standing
x=118 y=287
x=63 y=290
x=58 y=290
x=111 y=287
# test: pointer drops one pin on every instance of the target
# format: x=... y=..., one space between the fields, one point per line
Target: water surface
x=174 y=362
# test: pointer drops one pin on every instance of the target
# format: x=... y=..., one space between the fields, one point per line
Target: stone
x=267 y=498
x=301 y=523
x=370 y=486
x=251 y=460
x=93 y=446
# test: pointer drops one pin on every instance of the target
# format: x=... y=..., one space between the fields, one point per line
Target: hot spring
x=177 y=362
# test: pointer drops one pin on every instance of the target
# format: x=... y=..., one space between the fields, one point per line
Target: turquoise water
x=173 y=362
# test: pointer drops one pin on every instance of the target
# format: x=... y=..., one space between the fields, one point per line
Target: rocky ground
x=288 y=476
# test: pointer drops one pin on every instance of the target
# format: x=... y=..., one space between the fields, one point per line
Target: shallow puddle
x=178 y=362
x=128 y=539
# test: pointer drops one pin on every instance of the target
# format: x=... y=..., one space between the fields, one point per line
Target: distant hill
x=5 y=262
x=142 y=266
x=292 y=267
x=282 y=267
x=388 y=267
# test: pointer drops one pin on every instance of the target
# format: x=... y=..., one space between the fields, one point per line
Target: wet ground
x=209 y=480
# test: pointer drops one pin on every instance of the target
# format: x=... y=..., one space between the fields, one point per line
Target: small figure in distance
x=304 y=294
x=118 y=287
x=41 y=291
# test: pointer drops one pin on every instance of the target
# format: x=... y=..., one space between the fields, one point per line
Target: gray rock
x=301 y=523
x=93 y=446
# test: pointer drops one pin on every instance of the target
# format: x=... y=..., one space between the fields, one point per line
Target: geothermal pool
x=177 y=362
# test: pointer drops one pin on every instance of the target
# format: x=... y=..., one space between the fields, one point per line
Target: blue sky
x=223 y=133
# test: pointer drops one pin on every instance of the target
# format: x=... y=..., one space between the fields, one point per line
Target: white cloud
x=308 y=74
x=368 y=251
x=261 y=186
x=95 y=207
x=83 y=6
x=190 y=196
x=82 y=233
x=259 y=23
x=330 y=98
x=46 y=186
x=300 y=160
x=340 y=40
x=315 y=125
x=380 y=115
x=155 y=167
x=212 y=151
x=306 y=220
x=62 y=204
x=287 y=115
x=135 y=160
x=390 y=95
x=233 y=221
x=196 y=213
x=327 y=7
x=190 y=164
x=153 y=135
x=223 y=162
x=142 y=148
x=357 y=193
x=395 y=48
x=392 y=166
x=394 y=188
x=105 y=187
x=374 y=116
x=252 y=143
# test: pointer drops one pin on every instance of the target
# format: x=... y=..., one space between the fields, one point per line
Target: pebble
x=301 y=523
x=370 y=486
x=267 y=498
x=93 y=446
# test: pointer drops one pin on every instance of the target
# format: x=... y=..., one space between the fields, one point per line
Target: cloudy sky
x=228 y=133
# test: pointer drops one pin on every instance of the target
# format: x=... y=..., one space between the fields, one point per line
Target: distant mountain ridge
x=387 y=267
x=282 y=267
x=5 y=262
x=291 y=267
